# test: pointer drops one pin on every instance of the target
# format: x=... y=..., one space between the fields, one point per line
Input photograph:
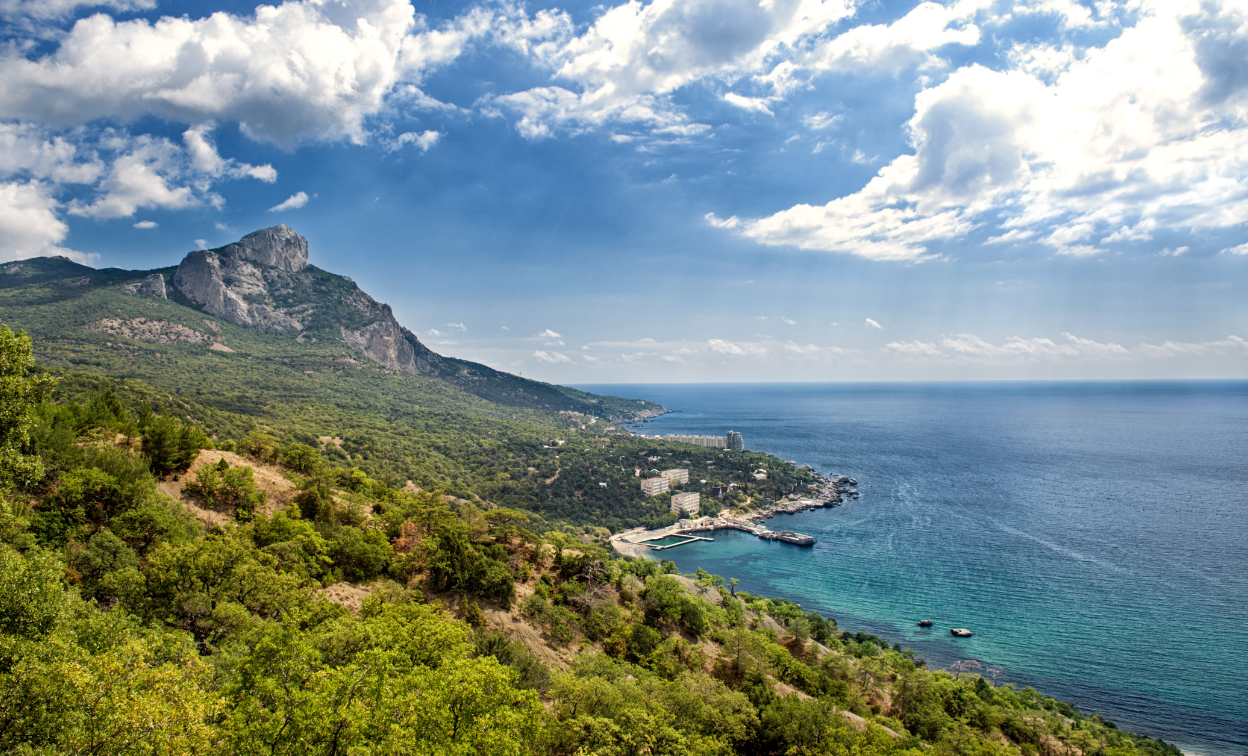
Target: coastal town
x=833 y=491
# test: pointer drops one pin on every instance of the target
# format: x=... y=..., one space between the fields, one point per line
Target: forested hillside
x=358 y=615
x=101 y=321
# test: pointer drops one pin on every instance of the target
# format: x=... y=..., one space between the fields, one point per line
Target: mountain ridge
x=266 y=282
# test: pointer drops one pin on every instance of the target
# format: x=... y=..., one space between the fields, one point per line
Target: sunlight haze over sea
x=1092 y=535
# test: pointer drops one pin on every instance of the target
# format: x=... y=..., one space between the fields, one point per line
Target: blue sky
x=676 y=190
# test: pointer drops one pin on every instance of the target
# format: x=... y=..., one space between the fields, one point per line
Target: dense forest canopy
x=487 y=618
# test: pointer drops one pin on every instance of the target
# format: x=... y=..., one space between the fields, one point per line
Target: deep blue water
x=1094 y=536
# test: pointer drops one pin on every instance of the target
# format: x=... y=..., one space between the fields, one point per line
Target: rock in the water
x=153 y=286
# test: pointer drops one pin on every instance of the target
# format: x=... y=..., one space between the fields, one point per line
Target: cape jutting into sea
x=1092 y=535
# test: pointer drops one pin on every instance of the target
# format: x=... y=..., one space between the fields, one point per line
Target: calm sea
x=1094 y=536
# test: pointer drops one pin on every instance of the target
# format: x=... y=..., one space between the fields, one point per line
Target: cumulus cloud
x=874 y=324
x=1229 y=345
x=969 y=347
x=737 y=348
x=627 y=64
x=755 y=104
x=147 y=224
x=905 y=42
x=295 y=71
x=551 y=357
x=912 y=347
x=48 y=10
x=1142 y=134
x=29 y=225
x=123 y=173
x=293 y=202
x=548 y=334
x=423 y=140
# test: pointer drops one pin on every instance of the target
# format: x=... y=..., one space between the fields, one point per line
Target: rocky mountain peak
x=277 y=247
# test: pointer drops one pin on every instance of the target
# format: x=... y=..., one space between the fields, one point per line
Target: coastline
x=834 y=492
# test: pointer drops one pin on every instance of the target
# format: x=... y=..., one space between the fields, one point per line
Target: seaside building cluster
x=732 y=441
x=689 y=503
x=663 y=483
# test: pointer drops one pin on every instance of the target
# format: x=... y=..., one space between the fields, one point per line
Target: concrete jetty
x=685 y=529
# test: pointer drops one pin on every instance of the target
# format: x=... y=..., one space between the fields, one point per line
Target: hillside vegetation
x=343 y=612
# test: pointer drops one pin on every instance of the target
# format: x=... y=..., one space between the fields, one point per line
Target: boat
x=925 y=623
x=961 y=632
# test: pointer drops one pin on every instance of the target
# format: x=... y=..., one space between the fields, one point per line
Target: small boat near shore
x=960 y=632
x=925 y=623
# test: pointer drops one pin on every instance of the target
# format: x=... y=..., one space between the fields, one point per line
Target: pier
x=690 y=539
x=686 y=528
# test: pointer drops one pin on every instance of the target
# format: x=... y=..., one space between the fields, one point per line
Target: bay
x=1093 y=535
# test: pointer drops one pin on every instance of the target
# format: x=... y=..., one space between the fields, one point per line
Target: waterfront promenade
x=637 y=541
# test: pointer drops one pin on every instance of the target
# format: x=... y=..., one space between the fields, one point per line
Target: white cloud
x=29 y=226
x=969 y=347
x=435 y=332
x=548 y=334
x=737 y=348
x=147 y=224
x=457 y=327
x=1143 y=134
x=293 y=202
x=423 y=141
x=48 y=10
x=905 y=42
x=1229 y=345
x=788 y=321
x=625 y=66
x=822 y=121
x=551 y=357
x=755 y=104
x=124 y=172
x=32 y=150
x=912 y=347
x=292 y=72
x=205 y=159
x=1242 y=249
x=144 y=174
x=874 y=324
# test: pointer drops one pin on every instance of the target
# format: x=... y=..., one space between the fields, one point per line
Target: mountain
x=263 y=283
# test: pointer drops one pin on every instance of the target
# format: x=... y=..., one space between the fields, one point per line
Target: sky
x=673 y=190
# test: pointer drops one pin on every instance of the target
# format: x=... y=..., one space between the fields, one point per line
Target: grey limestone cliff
x=234 y=282
x=153 y=286
x=385 y=341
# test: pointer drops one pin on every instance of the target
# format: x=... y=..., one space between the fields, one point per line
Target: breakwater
x=634 y=542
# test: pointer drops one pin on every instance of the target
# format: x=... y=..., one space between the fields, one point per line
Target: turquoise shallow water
x=1094 y=536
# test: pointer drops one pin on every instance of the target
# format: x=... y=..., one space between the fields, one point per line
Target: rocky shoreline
x=833 y=492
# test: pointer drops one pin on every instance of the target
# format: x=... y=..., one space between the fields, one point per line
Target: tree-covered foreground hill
x=357 y=616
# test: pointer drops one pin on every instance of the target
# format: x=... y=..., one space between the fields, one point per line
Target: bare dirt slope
x=269 y=480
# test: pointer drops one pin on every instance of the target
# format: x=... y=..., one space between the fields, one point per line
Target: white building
x=676 y=476
x=654 y=486
x=687 y=503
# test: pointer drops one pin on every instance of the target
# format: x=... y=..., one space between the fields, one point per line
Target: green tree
x=20 y=391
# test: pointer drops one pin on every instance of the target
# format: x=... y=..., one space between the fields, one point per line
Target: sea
x=1093 y=536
